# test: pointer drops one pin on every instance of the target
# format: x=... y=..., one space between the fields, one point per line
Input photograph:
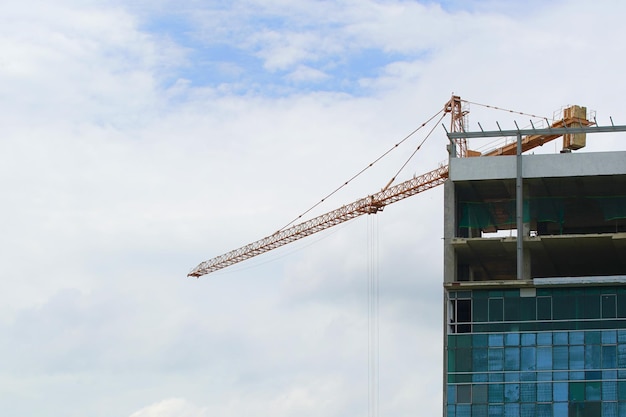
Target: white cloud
x=119 y=174
x=307 y=74
x=173 y=407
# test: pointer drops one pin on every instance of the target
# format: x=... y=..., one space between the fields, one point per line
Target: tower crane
x=372 y=204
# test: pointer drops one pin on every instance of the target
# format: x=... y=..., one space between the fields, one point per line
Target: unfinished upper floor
x=574 y=216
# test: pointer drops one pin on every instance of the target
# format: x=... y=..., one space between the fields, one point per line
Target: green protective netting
x=613 y=207
x=548 y=210
x=487 y=214
x=502 y=214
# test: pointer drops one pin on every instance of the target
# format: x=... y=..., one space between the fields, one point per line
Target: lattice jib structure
x=368 y=205
x=574 y=116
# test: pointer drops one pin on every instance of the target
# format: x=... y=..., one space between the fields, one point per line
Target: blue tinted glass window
x=496 y=393
x=610 y=374
x=528 y=410
x=544 y=391
x=560 y=357
x=480 y=310
x=609 y=356
x=561 y=338
x=511 y=359
x=529 y=339
x=480 y=340
x=464 y=340
x=479 y=410
x=496 y=377
x=528 y=359
x=577 y=391
x=528 y=309
x=609 y=391
x=451 y=394
x=479 y=357
x=511 y=377
x=511 y=309
x=511 y=410
x=511 y=393
x=496 y=340
x=544 y=376
x=512 y=339
x=544 y=410
x=496 y=359
x=464 y=360
x=544 y=357
x=479 y=394
x=528 y=393
x=593 y=356
x=496 y=309
x=609 y=306
x=481 y=377
x=464 y=393
x=577 y=376
x=593 y=375
x=564 y=307
x=544 y=308
x=560 y=376
x=621 y=336
x=451 y=411
x=593 y=391
x=496 y=410
x=609 y=337
x=576 y=338
x=621 y=390
x=544 y=339
x=559 y=391
x=577 y=357
x=609 y=409
x=621 y=356
x=590 y=306
x=560 y=410
x=464 y=410
x=593 y=338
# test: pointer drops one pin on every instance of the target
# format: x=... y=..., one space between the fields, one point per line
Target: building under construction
x=534 y=283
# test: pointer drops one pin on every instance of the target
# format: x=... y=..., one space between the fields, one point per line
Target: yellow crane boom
x=573 y=116
x=368 y=205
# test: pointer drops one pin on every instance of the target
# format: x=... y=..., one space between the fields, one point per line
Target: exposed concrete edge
x=613 y=279
x=537 y=166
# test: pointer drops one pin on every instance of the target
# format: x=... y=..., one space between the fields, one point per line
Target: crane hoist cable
x=373 y=316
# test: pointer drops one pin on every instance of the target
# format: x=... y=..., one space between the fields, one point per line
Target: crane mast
x=372 y=204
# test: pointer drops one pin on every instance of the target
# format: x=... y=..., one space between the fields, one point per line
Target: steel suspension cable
x=414 y=152
x=362 y=170
x=502 y=109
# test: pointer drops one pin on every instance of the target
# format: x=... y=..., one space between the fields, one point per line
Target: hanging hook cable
x=414 y=152
x=500 y=108
x=362 y=171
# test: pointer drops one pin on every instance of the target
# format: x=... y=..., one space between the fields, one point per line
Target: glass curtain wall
x=546 y=352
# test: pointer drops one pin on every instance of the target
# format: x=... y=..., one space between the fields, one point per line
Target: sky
x=139 y=138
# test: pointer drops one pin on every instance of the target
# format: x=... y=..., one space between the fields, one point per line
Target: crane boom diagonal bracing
x=368 y=205
x=572 y=116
